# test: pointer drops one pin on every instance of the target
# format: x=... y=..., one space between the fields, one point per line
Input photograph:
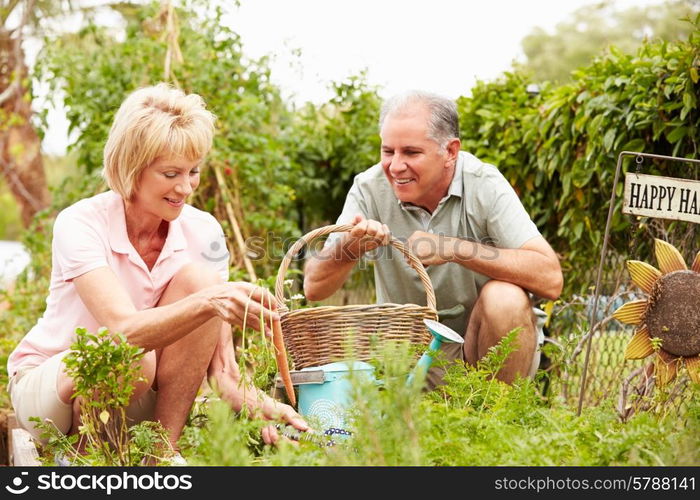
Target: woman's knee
x=147 y=373
x=191 y=278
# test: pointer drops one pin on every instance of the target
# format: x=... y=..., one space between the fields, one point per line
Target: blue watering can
x=441 y=333
x=324 y=391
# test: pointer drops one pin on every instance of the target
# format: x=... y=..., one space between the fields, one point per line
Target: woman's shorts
x=33 y=391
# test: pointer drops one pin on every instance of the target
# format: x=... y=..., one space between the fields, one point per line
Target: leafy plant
x=331 y=143
x=472 y=420
x=558 y=147
x=104 y=368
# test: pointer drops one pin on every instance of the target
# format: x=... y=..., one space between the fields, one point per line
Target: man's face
x=413 y=163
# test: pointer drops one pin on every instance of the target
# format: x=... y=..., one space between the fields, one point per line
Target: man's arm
x=534 y=266
x=327 y=272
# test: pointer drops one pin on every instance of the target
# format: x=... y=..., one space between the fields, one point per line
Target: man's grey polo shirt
x=480 y=206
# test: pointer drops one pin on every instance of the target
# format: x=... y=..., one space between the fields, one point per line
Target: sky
x=442 y=46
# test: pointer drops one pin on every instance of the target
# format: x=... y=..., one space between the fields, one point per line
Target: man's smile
x=403 y=182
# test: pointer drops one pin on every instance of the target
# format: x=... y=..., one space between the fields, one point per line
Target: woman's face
x=165 y=185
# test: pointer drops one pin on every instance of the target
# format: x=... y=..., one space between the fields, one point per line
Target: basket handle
x=343 y=228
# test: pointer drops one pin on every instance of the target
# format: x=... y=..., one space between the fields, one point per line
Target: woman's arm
x=108 y=301
x=225 y=376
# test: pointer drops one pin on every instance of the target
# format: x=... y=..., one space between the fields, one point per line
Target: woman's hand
x=274 y=410
x=239 y=302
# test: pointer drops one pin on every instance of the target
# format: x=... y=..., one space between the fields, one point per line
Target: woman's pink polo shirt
x=92 y=234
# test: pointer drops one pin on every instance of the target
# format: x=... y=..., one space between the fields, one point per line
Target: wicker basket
x=321 y=335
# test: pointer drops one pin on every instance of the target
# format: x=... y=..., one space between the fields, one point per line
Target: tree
x=591 y=29
x=20 y=144
x=247 y=182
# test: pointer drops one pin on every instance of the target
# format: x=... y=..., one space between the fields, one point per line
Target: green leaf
x=104 y=416
x=677 y=134
x=688 y=100
x=636 y=145
x=609 y=139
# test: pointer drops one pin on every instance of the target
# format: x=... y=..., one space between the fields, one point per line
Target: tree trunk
x=20 y=145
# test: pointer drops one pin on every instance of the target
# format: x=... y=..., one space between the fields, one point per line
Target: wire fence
x=628 y=385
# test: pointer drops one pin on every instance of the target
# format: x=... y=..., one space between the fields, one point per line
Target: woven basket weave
x=321 y=335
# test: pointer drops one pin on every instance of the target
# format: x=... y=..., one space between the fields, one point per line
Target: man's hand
x=430 y=249
x=365 y=236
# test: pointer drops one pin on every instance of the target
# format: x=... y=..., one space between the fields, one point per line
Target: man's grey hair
x=443 y=122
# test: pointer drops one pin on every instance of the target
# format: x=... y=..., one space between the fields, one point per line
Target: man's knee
x=499 y=300
x=501 y=308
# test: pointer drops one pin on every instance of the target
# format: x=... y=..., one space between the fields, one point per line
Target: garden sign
x=648 y=196
x=662 y=197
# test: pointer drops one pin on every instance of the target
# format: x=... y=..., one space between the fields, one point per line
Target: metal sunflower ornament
x=668 y=320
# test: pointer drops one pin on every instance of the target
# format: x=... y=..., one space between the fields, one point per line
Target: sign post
x=679 y=202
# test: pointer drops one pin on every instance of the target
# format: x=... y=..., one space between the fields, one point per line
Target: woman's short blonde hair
x=153 y=122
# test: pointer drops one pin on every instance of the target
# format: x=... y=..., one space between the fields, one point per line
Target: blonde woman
x=139 y=260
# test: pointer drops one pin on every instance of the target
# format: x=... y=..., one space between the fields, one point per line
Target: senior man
x=464 y=222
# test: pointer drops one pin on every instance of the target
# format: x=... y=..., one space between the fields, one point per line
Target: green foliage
x=472 y=420
x=105 y=370
x=226 y=439
x=559 y=148
x=26 y=300
x=332 y=143
x=10 y=222
x=594 y=28
x=385 y=418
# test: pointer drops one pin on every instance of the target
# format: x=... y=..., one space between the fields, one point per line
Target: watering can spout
x=441 y=334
